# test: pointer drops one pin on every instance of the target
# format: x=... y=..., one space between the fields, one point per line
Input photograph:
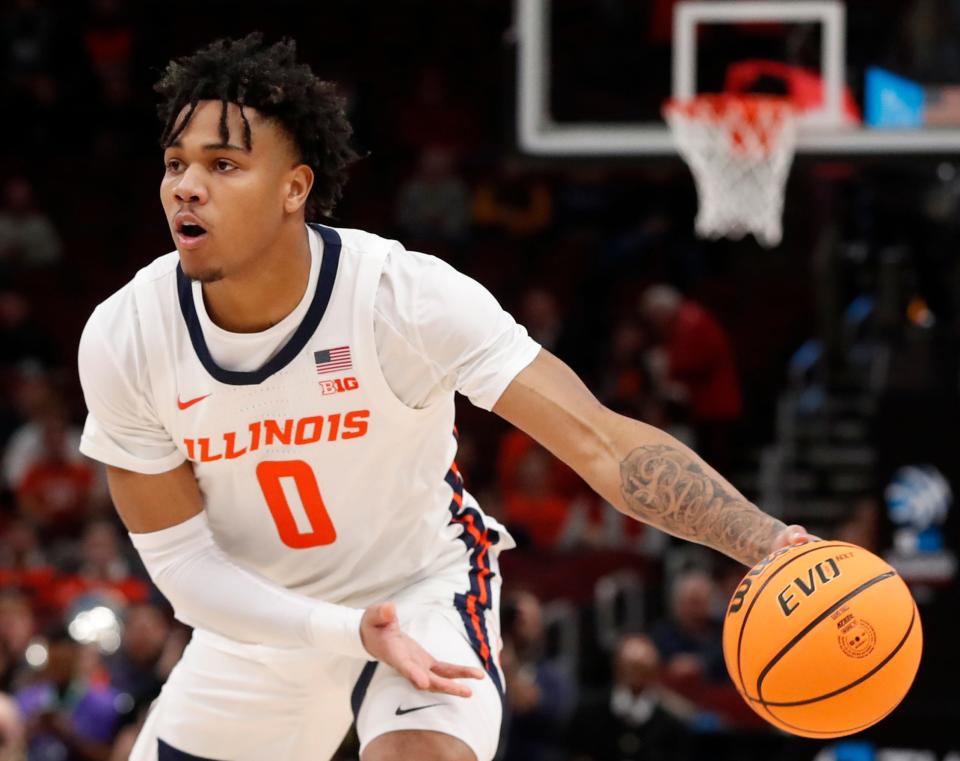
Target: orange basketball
x=822 y=639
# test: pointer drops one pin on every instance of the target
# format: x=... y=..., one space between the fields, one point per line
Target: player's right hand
x=790 y=536
x=382 y=637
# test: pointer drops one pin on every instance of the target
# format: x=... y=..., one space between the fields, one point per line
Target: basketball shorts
x=230 y=701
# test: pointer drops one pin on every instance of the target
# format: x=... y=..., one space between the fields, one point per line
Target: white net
x=739 y=149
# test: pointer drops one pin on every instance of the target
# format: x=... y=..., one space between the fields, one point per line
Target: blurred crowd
x=611 y=632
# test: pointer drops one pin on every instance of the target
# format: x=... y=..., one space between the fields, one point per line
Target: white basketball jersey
x=314 y=474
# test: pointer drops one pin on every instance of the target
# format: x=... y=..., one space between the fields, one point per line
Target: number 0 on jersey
x=310 y=525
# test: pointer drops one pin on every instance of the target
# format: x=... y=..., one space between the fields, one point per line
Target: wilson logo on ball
x=740 y=595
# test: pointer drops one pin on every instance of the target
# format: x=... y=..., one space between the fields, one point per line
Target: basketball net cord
x=739 y=149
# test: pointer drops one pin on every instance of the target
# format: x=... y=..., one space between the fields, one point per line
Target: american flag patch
x=333 y=360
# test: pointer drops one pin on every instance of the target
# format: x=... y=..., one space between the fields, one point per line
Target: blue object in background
x=930 y=540
x=919 y=497
x=853 y=750
x=892 y=102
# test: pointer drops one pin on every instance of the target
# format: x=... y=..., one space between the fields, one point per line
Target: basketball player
x=274 y=404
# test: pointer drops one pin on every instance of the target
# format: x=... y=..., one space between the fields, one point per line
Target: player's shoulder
x=116 y=319
x=363 y=242
x=398 y=259
x=422 y=272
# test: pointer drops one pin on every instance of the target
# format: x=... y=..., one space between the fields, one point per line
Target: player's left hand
x=791 y=535
x=384 y=639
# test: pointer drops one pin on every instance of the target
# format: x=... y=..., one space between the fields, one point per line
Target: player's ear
x=299 y=183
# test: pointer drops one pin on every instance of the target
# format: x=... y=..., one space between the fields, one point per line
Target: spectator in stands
x=27 y=31
x=150 y=648
x=12 y=731
x=108 y=40
x=25 y=569
x=698 y=363
x=635 y=719
x=434 y=112
x=434 y=203
x=21 y=341
x=540 y=314
x=514 y=445
x=27 y=236
x=47 y=424
x=536 y=505
x=862 y=527
x=513 y=202
x=103 y=570
x=540 y=695
x=547 y=506
x=30 y=88
x=689 y=638
x=55 y=485
x=69 y=715
x=928 y=28
x=102 y=560
x=626 y=383
x=586 y=195
x=17 y=627
x=26 y=390
x=20 y=555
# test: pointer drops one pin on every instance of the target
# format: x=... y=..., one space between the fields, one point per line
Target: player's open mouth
x=190 y=234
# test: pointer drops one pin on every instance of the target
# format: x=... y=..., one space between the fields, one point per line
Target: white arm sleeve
x=438 y=330
x=207 y=590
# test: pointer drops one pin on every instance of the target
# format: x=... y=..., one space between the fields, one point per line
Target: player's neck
x=254 y=300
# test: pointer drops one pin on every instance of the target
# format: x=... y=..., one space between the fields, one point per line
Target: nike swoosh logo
x=190 y=402
x=401 y=711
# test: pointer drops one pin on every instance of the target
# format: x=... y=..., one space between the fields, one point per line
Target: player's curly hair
x=268 y=79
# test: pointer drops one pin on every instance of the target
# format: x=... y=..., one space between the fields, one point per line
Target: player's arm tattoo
x=666 y=487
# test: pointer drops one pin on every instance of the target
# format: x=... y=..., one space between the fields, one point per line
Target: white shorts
x=230 y=701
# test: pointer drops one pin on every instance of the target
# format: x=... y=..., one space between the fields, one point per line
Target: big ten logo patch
x=339 y=385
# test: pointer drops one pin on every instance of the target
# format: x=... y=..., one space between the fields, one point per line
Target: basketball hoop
x=739 y=148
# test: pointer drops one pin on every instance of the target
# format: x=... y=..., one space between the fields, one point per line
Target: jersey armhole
x=368 y=282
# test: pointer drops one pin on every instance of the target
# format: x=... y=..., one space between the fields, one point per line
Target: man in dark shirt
x=689 y=639
x=631 y=721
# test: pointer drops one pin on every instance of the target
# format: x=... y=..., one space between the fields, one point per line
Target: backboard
x=559 y=40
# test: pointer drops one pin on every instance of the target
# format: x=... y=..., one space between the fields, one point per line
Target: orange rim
x=738 y=114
